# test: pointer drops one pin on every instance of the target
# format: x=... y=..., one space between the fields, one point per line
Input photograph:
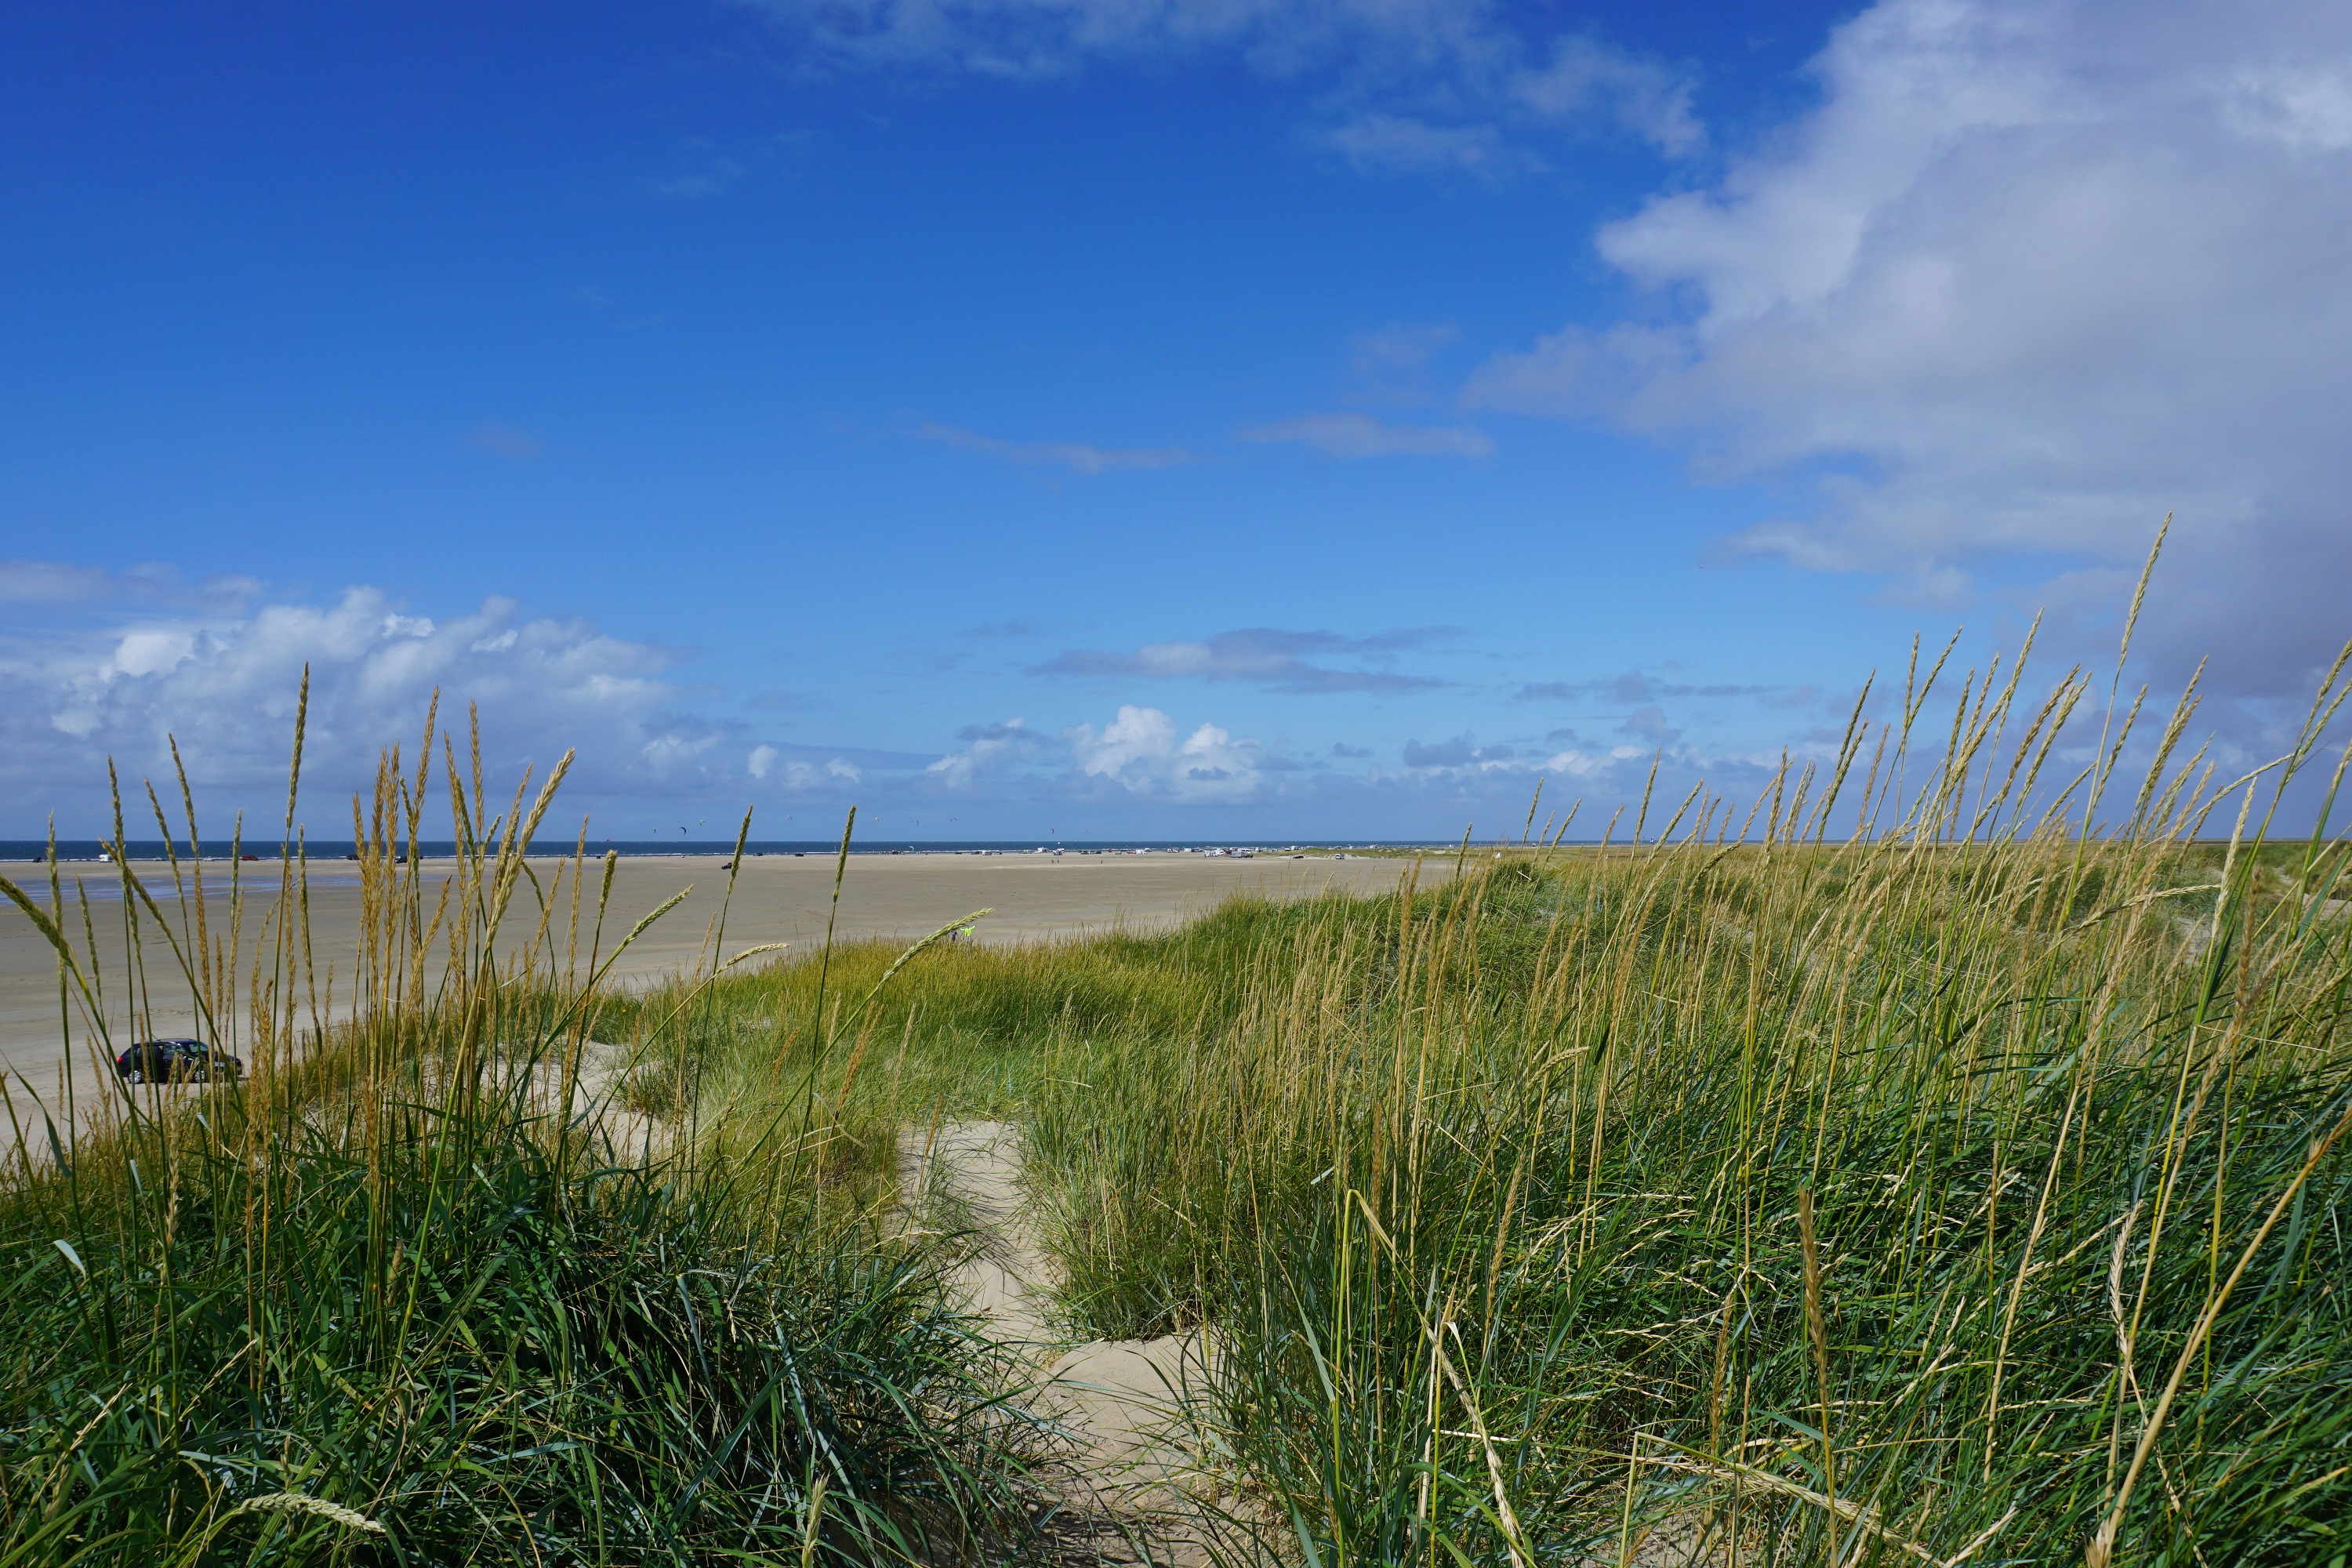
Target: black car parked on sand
x=177 y=1061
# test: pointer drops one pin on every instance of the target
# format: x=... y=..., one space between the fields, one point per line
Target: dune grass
x=1496 y=1196
x=409 y=1294
x=1927 y=1162
x=1965 y=1186
x=1841 y=1234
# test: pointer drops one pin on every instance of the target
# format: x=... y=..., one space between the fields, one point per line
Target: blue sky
x=1144 y=419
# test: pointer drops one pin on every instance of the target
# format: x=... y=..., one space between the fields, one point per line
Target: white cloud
x=800 y=777
x=668 y=753
x=2297 y=105
x=1361 y=436
x=1585 y=764
x=1460 y=761
x=1138 y=752
x=2031 y=275
x=123 y=678
x=150 y=652
x=1137 y=733
x=1138 y=749
x=988 y=748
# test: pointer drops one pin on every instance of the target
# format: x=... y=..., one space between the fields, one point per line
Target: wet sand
x=777 y=899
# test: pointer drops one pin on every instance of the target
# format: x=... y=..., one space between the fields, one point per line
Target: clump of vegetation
x=1968 y=1189
x=400 y=1298
x=1938 y=1164
x=1966 y=1183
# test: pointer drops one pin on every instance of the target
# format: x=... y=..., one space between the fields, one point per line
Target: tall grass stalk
x=419 y=1289
x=1955 y=1178
x=1794 y=1201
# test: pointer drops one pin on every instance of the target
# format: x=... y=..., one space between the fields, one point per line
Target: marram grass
x=1968 y=1190
x=1935 y=1160
x=405 y=1296
x=1937 y=1163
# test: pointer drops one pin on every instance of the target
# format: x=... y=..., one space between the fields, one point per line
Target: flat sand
x=777 y=899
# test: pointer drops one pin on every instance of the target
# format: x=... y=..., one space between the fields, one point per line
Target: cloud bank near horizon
x=124 y=665
x=123 y=677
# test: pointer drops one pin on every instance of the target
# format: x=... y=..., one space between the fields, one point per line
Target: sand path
x=1116 y=1399
x=1130 y=1472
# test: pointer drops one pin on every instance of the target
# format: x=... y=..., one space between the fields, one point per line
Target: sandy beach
x=776 y=899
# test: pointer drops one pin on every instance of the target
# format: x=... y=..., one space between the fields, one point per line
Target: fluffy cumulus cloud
x=987 y=749
x=1140 y=754
x=1408 y=86
x=1140 y=751
x=1462 y=760
x=2031 y=275
x=798 y=769
x=112 y=672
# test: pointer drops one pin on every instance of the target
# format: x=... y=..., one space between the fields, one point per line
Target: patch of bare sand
x=1126 y=1478
x=599 y=1101
x=1135 y=1478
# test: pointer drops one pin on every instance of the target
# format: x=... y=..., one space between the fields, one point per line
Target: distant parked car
x=177 y=1061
